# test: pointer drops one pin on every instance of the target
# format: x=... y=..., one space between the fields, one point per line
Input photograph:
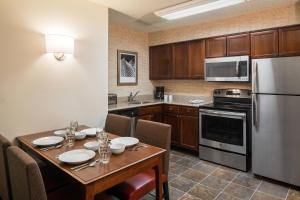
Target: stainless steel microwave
x=227 y=69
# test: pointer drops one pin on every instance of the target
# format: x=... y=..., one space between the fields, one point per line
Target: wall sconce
x=59 y=45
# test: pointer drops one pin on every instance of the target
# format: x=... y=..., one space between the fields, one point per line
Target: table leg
x=89 y=193
x=158 y=179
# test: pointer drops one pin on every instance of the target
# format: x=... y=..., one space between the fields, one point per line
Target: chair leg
x=166 y=190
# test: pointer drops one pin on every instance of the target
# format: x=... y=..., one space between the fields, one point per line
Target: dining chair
x=156 y=134
x=118 y=125
x=27 y=183
x=4 y=179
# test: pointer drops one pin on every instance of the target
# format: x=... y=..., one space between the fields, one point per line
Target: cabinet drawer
x=171 y=109
x=190 y=111
x=149 y=110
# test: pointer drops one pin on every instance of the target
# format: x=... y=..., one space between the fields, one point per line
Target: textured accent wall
x=273 y=17
x=124 y=38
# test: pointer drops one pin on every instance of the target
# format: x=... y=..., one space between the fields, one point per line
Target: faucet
x=132 y=96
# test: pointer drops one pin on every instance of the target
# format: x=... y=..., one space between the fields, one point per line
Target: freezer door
x=276 y=137
x=276 y=75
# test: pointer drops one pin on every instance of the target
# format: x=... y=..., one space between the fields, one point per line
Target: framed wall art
x=127 y=68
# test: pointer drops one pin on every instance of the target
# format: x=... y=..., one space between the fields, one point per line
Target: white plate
x=127 y=141
x=48 y=141
x=196 y=101
x=77 y=156
x=61 y=133
x=90 y=131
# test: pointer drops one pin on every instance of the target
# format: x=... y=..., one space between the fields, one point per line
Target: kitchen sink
x=140 y=102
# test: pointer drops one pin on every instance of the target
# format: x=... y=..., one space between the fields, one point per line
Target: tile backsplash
x=196 y=87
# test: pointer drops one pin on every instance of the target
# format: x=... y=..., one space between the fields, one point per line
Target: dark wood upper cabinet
x=215 y=47
x=180 y=60
x=264 y=44
x=196 y=52
x=238 y=45
x=160 y=59
x=289 y=41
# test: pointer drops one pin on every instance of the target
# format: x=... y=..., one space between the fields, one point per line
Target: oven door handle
x=233 y=115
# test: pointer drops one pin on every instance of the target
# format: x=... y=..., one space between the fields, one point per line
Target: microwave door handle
x=237 y=68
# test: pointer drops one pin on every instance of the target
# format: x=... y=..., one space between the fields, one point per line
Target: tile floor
x=194 y=179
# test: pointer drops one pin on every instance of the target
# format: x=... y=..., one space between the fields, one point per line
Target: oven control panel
x=237 y=93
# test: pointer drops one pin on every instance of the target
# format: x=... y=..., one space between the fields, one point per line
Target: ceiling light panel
x=194 y=7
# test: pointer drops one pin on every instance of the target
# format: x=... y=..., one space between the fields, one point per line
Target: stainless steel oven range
x=225 y=128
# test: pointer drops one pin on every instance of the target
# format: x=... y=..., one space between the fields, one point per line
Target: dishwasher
x=130 y=112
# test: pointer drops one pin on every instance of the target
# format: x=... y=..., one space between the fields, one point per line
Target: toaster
x=112 y=99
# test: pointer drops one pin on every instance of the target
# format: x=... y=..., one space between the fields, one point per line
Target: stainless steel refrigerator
x=276 y=118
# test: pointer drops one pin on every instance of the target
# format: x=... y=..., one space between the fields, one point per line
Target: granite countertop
x=177 y=100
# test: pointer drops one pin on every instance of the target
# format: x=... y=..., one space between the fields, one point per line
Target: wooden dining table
x=102 y=176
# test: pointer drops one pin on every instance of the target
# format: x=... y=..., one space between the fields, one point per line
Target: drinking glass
x=74 y=125
x=104 y=152
x=70 y=138
x=103 y=137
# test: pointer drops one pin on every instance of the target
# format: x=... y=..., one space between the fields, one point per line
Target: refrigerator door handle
x=255 y=76
x=255 y=110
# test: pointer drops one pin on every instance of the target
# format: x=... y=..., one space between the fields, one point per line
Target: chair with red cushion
x=156 y=134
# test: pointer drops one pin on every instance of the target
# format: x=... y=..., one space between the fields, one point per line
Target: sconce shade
x=59 y=44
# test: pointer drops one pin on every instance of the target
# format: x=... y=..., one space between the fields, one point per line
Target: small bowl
x=117 y=148
x=61 y=133
x=94 y=145
x=80 y=135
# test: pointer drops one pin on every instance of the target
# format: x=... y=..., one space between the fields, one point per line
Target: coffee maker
x=159 y=92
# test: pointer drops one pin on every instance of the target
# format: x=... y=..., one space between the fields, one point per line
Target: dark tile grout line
x=210 y=174
x=256 y=189
x=201 y=181
x=226 y=186
x=287 y=193
x=190 y=179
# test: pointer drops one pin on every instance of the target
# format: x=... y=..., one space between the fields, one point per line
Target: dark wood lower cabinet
x=157 y=117
x=183 y=119
x=172 y=120
x=189 y=132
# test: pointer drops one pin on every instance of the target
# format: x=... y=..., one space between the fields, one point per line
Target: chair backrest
x=4 y=179
x=118 y=125
x=156 y=134
x=25 y=176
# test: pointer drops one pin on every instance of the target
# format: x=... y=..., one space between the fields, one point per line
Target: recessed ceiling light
x=194 y=7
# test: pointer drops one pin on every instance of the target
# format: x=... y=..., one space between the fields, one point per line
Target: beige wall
x=123 y=38
x=37 y=92
x=253 y=21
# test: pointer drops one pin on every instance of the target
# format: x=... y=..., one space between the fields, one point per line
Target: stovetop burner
x=230 y=99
